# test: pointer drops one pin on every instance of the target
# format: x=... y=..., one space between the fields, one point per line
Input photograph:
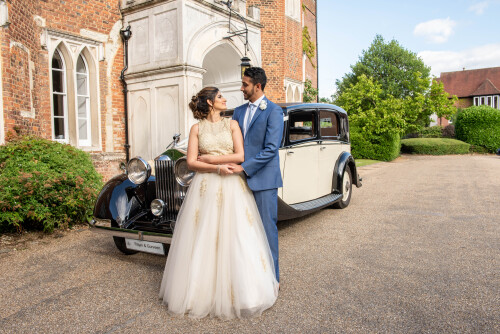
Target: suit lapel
x=241 y=115
x=257 y=113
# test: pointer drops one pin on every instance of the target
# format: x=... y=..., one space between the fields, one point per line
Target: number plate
x=145 y=246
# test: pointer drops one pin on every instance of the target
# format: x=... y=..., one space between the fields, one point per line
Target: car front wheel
x=346 y=190
x=122 y=247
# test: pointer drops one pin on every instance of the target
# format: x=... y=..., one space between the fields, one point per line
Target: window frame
x=337 y=117
x=83 y=142
x=65 y=98
x=315 y=132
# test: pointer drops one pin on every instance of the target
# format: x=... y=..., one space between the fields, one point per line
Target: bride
x=219 y=262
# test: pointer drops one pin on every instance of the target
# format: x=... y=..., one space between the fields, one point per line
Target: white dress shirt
x=251 y=109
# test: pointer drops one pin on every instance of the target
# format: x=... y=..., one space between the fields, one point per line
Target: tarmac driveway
x=418 y=250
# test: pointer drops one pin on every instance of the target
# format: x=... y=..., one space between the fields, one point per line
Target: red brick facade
x=26 y=69
x=282 y=45
x=26 y=64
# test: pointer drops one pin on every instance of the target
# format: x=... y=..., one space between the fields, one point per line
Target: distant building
x=61 y=61
x=473 y=87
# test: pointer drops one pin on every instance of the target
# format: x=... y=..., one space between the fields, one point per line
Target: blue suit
x=262 y=166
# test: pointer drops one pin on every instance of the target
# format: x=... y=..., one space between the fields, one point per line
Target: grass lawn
x=365 y=162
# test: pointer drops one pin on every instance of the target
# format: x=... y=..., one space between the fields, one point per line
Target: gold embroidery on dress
x=249 y=217
x=203 y=186
x=196 y=218
x=215 y=138
x=263 y=262
x=219 y=197
x=243 y=184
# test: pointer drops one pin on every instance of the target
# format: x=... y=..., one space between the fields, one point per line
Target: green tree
x=310 y=93
x=439 y=102
x=400 y=72
x=376 y=120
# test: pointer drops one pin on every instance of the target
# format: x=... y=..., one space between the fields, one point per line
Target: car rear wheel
x=122 y=247
x=346 y=190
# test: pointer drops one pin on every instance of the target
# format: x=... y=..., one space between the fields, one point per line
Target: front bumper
x=103 y=226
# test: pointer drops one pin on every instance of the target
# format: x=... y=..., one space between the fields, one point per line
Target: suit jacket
x=261 y=144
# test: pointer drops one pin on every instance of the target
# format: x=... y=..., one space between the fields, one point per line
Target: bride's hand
x=225 y=170
x=205 y=158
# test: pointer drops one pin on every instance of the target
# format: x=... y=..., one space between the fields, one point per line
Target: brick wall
x=27 y=102
x=272 y=17
x=281 y=39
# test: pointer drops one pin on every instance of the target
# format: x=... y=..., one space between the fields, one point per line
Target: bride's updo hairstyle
x=199 y=103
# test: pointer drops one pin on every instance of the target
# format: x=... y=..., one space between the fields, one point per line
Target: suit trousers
x=267 y=203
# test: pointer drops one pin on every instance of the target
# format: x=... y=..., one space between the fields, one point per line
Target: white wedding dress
x=219 y=262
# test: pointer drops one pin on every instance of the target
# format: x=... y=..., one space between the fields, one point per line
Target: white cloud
x=479 y=7
x=448 y=61
x=435 y=31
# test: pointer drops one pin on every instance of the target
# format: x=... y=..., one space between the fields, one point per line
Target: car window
x=329 y=124
x=301 y=125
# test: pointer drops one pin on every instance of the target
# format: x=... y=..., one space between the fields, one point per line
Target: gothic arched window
x=59 y=99
x=83 y=102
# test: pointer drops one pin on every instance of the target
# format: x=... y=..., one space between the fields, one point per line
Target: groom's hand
x=236 y=168
x=206 y=158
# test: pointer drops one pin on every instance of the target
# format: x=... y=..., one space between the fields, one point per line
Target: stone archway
x=222 y=65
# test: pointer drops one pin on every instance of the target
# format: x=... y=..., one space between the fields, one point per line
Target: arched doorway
x=222 y=65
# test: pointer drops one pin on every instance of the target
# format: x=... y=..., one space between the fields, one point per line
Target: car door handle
x=289 y=152
x=322 y=148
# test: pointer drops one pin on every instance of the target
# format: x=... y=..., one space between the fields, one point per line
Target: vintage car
x=139 y=208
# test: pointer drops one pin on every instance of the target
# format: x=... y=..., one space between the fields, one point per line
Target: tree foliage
x=400 y=72
x=439 y=102
x=310 y=93
x=390 y=93
x=375 y=121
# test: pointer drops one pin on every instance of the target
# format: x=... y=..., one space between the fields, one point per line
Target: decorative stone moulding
x=4 y=14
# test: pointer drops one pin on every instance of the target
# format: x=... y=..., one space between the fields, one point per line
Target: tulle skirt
x=219 y=262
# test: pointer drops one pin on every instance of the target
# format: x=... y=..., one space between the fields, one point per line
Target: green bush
x=479 y=126
x=434 y=146
x=45 y=185
x=432 y=132
x=384 y=147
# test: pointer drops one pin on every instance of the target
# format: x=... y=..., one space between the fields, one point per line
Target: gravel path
x=418 y=250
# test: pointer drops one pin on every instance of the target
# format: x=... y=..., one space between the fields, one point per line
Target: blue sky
x=448 y=35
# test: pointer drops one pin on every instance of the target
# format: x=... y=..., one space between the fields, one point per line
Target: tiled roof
x=467 y=83
x=486 y=88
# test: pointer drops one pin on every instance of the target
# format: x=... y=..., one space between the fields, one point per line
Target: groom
x=261 y=122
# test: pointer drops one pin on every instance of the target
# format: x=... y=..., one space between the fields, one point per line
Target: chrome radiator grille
x=167 y=188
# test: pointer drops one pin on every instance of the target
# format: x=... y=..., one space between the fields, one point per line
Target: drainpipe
x=126 y=34
x=317 y=53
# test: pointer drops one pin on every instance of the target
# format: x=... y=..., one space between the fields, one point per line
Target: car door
x=300 y=172
x=330 y=148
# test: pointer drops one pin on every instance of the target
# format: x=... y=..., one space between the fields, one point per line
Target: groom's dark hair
x=257 y=75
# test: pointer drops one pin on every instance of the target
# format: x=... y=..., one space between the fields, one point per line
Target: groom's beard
x=248 y=96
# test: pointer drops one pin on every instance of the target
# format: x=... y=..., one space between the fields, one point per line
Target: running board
x=289 y=211
x=316 y=203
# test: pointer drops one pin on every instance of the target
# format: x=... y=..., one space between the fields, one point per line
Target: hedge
x=45 y=185
x=434 y=146
x=479 y=126
x=376 y=147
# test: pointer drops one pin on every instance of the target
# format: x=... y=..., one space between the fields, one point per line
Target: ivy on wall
x=308 y=46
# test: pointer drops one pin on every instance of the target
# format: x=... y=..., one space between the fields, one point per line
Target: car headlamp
x=157 y=206
x=182 y=173
x=138 y=170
